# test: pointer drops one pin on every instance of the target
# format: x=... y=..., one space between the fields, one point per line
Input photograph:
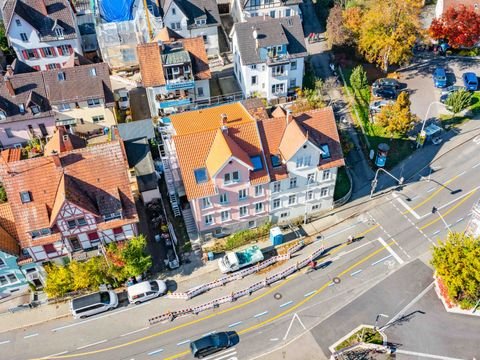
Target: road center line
x=92 y=344
x=390 y=250
x=30 y=336
x=310 y=293
x=287 y=303
x=4 y=342
x=135 y=331
x=456 y=199
x=405 y=205
x=356 y=272
x=155 y=352
x=183 y=342
x=235 y=324
x=261 y=314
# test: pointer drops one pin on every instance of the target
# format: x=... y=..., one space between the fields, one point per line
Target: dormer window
x=61 y=76
x=35 y=109
x=39 y=233
x=92 y=72
x=25 y=197
x=112 y=216
x=3 y=115
x=325 y=151
x=59 y=32
x=21 y=108
x=200 y=21
x=176 y=70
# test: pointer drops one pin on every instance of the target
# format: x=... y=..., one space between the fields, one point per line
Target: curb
x=35 y=323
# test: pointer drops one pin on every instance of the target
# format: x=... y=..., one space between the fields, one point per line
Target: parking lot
x=419 y=81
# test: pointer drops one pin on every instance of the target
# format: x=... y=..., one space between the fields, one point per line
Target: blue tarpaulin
x=116 y=10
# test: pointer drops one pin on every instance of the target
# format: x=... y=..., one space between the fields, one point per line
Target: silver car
x=376 y=106
x=92 y=304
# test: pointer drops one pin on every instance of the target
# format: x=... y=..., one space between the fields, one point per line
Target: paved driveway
x=418 y=78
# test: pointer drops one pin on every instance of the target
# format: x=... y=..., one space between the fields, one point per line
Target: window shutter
x=60 y=52
x=36 y=67
x=35 y=52
x=57 y=66
x=52 y=49
x=42 y=52
x=25 y=54
x=70 y=49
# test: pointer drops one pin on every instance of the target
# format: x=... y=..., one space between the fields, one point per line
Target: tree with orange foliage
x=459 y=26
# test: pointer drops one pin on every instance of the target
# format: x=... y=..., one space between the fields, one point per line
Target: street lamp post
x=425 y=120
x=375 y=181
x=376 y=320
x=435 y=210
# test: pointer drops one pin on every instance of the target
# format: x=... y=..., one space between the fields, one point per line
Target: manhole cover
x=277 y=296
x=336 y=280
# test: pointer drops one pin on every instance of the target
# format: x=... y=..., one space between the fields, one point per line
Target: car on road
x=385 y=92
x=452 y=88
x=470 y=81
x=212 y=343
x=93 y=304
x=146 y=290
x=440 y=78
x=376 y=106
x=386 y=82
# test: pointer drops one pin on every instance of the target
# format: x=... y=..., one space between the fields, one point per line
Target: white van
x=92 y=304
x=123 y=99
x=146 y=290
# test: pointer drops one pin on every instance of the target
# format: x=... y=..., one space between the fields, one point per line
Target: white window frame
x=206 y=203
x=3 y=264
x=242 y=192
x=276 y=204
x=262 y=207
x=223 y=218
x=257 y=192
x=277 y=186
x=223 y=198
x=24 y=37
x=309 y=195
x=245 y=207
x=293 y=182
x=290 y=197
x=324 y=192
x=208 y=216
x=93 y=102
x=64 y=107
x=326 y=175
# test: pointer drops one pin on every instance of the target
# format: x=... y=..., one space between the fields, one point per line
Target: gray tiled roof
x=140 y=158
x=195 y=9
x=136 y=130
x=57 y=12
x=270 y=32
x=175 y=56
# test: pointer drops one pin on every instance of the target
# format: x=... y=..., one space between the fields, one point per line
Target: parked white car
x=376 y=106
x=146 y=290
x=123 y=99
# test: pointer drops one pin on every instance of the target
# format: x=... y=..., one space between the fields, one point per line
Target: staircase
x=164 y=150
x=191 y=227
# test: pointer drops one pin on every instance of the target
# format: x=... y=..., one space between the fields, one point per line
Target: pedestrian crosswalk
x=229 y=354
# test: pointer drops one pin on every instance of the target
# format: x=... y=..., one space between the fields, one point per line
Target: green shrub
x=246 y=236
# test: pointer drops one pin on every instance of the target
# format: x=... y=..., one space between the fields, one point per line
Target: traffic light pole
x=375 y=181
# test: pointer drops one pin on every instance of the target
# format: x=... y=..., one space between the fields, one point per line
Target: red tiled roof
x=8 y=232
x=150 y=61
x=196 y=48
x=62 y=141
x=12 y=154
x=100 y=176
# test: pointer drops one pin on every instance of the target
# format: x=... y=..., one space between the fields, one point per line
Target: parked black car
x=379 y=83
x=212 y=343
x=385 y=92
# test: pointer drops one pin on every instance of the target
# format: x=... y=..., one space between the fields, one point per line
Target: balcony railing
x=276 y=59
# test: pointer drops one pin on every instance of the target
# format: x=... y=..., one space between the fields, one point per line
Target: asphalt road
x=394 y=233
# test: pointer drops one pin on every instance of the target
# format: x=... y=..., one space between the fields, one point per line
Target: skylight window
x=257 y=162
x=276 y=162
x=61 y=76
x=326 y=151
x=25 y=197
x=200 y=175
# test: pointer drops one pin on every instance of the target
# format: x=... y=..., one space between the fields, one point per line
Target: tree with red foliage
x=459 y=26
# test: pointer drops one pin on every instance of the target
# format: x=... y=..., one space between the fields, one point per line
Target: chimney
x=288 y=117
x=9 y=71
x=9 y=86
x=56 y=160
x=223 y=123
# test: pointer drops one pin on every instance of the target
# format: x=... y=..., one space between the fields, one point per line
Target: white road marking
x=331 y=284
x=436 y=232
x=461 y=219
x=430 y=356
x=4 y=342
x=274 y=339
x=235 y=324
x=408 y=208
x=223 y=355
x=99 y=317
x=475 y=166
x=209 y=333
x=295 y=316
x=287 y=303
x=454 y=200
x=57 y=354
x=341 y=231
x=430 y=190
x=135 y=331
x=476 y=140
x=261 y=314
x=390 y=250
x=155 y=352
x=356 y=272
x=30 y=336
x=92 y=344
x=310 y=293
x=183 y=342
x=381 y=260
x=462 y=173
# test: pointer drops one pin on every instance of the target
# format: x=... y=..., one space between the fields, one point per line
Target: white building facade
x=244 y=9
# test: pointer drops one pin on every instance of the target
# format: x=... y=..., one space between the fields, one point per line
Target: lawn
x=400 y=146
x=456 y=120
x=342 y=185
x=366 y=335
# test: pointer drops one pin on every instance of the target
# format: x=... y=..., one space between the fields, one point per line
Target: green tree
x=458 y=101
x=3 y=194
x=358 y=78
x=457 y=264
x=59 y=280
x=137 y=261
x=397 y=117
x=388 y=30
x=3 y=39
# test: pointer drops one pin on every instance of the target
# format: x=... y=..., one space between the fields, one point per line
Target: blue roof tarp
x=116 y=10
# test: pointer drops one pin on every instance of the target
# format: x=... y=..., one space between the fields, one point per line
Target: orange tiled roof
x=243 y=140
x=61 y=141
x=100 y=176
x=196 y=48
x=293 y=138
x=11 y=154
x=150 y=61
x=278 y=112
x=8 y=232
x=321 y=129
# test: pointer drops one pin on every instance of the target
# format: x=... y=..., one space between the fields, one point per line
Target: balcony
x=278 y=59
x=180 y=83
x=280 y=74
